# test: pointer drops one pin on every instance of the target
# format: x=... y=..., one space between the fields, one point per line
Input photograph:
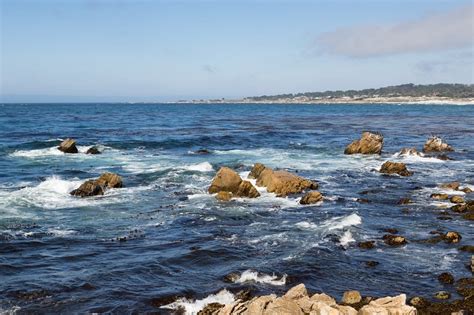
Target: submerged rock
x=394 y=240
x=452 y=185
x=366 y=244
x=442 y=295
x=395 y=168
x=227 y=180
x=369 y=143
x=68 y=146
x=446 y=278
x=311 y=197
x=282 y=183
x=224 y=196
x=93 y=150
x=436 y=144
x=98 y=186
x=404 y=201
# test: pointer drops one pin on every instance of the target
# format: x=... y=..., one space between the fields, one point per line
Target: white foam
x=47 y=152
x=249 y=275
x=192 y=307
x=342 y=222
x=417 y=157
x=201 y=167
x=306 y=225
x=346 y=239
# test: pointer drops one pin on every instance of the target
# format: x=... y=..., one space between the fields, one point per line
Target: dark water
x=62 y=254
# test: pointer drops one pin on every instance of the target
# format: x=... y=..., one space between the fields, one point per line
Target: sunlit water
x=60 y=253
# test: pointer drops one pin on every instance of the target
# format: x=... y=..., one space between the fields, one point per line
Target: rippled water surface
x=163 y=235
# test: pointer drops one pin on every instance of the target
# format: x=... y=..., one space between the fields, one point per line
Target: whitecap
x=47 y=152
x=346 y=239
x=254 y=276
x=192 y=307
x=201 y=167
x=342 y=222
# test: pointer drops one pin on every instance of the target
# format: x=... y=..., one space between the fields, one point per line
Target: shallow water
x=63 y=254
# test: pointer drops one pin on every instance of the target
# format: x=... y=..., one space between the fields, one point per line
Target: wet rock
x=369 y=143
x=311 y=198
x=452 y=237
x=446 y=278
x=224 y=196
x=465 y=286
x=467 y=248
x=436 y=144
x=388 y=305
x=442 y=295
x=439 y=196
x=229 y=181
x=351 y=297
x=371 y=263
x=363 y=200
x=202 y=151
x=418 y=301
x=110 y=180
x=231 y=277
x=443 y=157
x=404 y=201
x=394 y=240
x=395 y=168
x=282 y=183
x=366 y=244
x=468 y=216
x=391 y=231
x=451 y=185
x=461 y=208
x=93 y=150
x=210 y=309
x=88 y=189
x=456 y=199
x=68 y=146
x=466 y=190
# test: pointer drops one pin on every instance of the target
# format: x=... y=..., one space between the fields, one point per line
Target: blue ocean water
x=163 y=236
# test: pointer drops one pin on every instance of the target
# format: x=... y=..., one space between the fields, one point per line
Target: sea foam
x=192 y=307
x=254 y=276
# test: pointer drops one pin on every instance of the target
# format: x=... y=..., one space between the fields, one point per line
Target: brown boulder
x=436 y=144
x=110 y=180
x=228 y=180
x=281 y=183
x=88 y=189
x=452 y=185
x=439 y=196
x=388 y=305
x=351 y=297
x=68 y=146
x=366 y=244
x=369 y=143
x=456 y=199
x=395 y=168
x=311 y=197
x=93 y=150
x=224 y=196
x=394 y=240
x=452 y=237
x=446 y=278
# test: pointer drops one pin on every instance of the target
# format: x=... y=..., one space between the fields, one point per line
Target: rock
x=452 y=185
x=210 y=309
x=202 y=151
x=369 y=143
x=456 y=199
x=391 y=230
x=439 y=196
x=465 y=286
x=363 y=200
x=345 y=310
x=443 y=157
x=311 y=197
x=446 y=278
x=88 y=189
x=68 y=146
x=283 y=306
x=323 y=298
x=468 y=216
x=282 y=183
x=395 y=168
x=388 y=306
x=366 y=244
x=229 y=181
x=467 y=248
x=410 y=151
x=371 y=263
x=436 y=144
x=452 y=237
x=466 y=190
x=110 y=180
x=93 y=150
x=461 y=208
x=442 y=295
x=394 y=240
x=351 y=297
x=224 y=196
x=418 y=301
x=404 y=201
x=297 y=292
x=259 y=304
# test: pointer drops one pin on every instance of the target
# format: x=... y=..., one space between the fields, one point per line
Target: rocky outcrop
x=395 y=168
x=394 y=240
x=297 y=301
x=436 y=144
x=452 y=237
x=311 y=198
x=224 y=196
x=282 y=183
x=456 y=199
x=452 y=185
x=68 y=146
x=369 y=143
x=93 y=150
x=98 y=186
x=227 y=180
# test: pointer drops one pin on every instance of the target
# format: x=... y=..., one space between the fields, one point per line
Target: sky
x=124 y=50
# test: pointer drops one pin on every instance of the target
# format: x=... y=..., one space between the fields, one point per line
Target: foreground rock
x=395 y=168
x=68 y=146
x=282 y=183
x=227 y=180
x=436 y=144
x=297 y=301
x=311 y=198
x=369 y=143
x=98 y=186
x=93 y=150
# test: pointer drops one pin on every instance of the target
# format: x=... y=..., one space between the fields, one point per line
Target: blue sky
x=106 y=50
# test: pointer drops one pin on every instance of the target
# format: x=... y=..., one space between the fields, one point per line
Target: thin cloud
x=436 y=32
x=209 y=69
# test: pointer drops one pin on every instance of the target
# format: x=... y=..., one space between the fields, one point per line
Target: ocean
x=162 y=236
